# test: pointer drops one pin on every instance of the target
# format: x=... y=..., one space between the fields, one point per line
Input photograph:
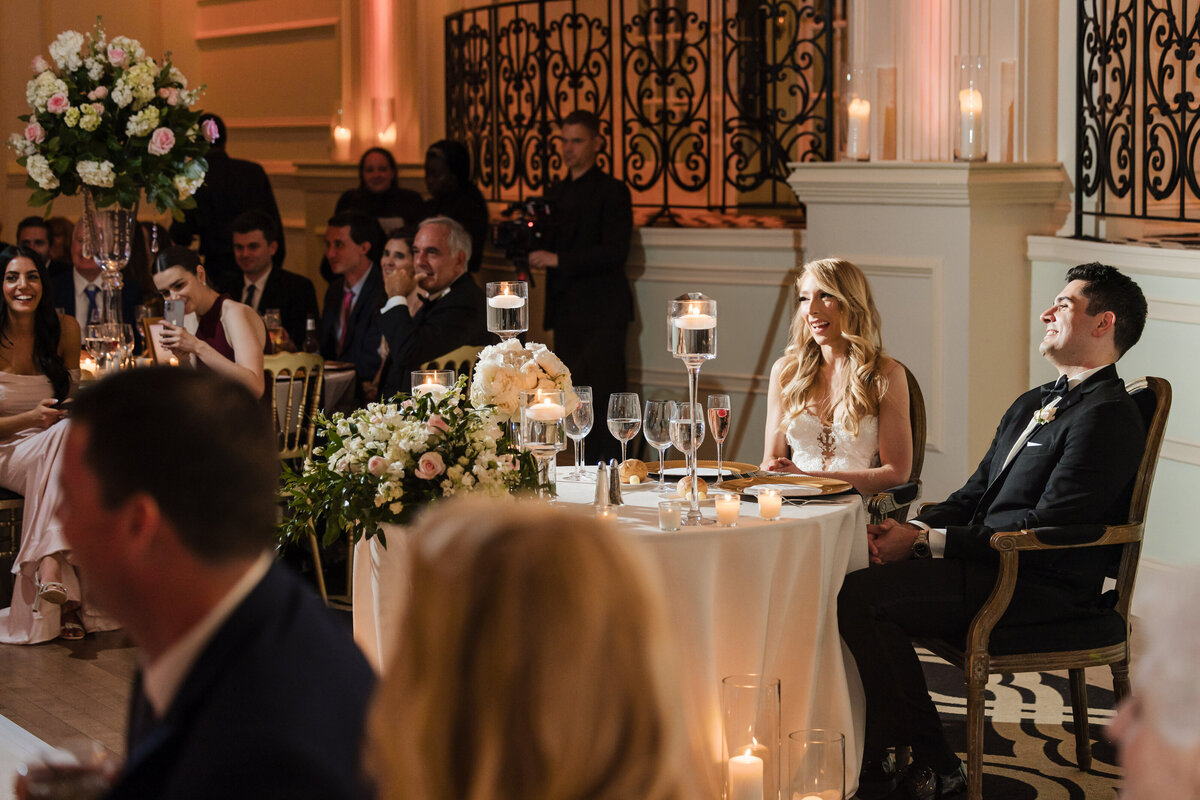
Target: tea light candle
x=858 y=130
x=728 y=507
x=341 y=143
x=670 y=515
x=506 y=301
x=87 y=364
x=436 y=389
x=546 y=411
x=608 y=513
x=746 y=778
x=770 y=501
x=970 y=103
x=696 y=322
x=174 y=362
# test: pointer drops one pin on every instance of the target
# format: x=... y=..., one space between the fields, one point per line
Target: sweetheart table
x=760 y=597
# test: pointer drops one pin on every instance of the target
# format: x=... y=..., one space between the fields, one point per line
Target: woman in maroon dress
x=230 y=338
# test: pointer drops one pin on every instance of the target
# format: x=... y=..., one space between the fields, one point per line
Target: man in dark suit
x=262 y=285
x=1064 y=453
x=79 y=291
x=248 y=687
x=231 y=186
x=35 y=233
x=350 y=321
x=451 y=315
x=589 y=304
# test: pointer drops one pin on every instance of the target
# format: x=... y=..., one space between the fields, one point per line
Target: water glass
x=656 y=425
x=624 y=418
x=719 y=417
x=103 y=341
x=687 y=428
x=816 y=765
x=578 y=424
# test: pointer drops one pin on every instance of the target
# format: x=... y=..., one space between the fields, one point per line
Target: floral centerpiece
x=106 y=118
x=382 y=462
x=506 y=369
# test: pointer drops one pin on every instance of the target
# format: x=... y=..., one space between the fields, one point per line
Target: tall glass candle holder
x=970 y=129
x=692 y=338
x=856 y=94
x=750 y=710
x=436 y=382
x=816 y=765
x=542 y=432
x=507 y=308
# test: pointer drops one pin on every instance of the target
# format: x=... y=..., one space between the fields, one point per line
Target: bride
x=834 y=400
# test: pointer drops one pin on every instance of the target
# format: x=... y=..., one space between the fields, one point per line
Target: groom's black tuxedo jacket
x=1077 y=468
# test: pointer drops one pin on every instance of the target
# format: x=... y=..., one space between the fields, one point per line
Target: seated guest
x=455 y=195
x=350 y=320
x=453 y=313
x=230 y=339
x=1157 y=729
x=247 y=687
x=36 y=234
x=262 y=285
x=835 y=401
x=62 y=230
x=79 y=291
x=39 y=366
x=1064 y=453
x=533 y=661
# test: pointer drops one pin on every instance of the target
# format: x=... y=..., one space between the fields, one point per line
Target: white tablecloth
x=757 y=598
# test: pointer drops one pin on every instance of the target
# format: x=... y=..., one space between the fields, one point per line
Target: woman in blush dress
x=835 y=403
x=39 y=364
x=534 y=660
x=230 y=339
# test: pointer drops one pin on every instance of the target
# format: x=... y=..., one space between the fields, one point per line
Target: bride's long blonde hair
x=863 y=384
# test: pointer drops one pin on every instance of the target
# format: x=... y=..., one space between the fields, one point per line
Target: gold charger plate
x=822 y=485
x=705 y=468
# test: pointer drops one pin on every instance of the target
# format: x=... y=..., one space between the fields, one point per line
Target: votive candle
x=770 y=502
x=608 y=513
x=670 y=515
x=728 y=507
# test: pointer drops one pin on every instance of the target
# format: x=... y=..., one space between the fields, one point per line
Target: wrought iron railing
x=1138 y=116
x=702 y=102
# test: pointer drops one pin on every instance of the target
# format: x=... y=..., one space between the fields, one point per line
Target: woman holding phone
x=39 y=365
x=230 y=337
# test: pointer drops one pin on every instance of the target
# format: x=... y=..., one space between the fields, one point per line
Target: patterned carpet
x=1029 y=748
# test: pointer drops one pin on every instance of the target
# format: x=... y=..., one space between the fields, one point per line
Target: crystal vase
x=108 y=239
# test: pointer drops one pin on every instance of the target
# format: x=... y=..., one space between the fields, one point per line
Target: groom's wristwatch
x=920 y=546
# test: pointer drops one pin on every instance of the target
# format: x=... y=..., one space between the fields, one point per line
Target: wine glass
x=127 y=344
x=658 y=434
x=578 y=425
x=624 y=418
x=102 y=339
x=719 y=417
x=687 y=428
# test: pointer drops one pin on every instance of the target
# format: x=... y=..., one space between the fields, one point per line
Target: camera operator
x=589 y=304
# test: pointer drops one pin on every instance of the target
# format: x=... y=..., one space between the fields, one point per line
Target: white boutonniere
x=1044 y=415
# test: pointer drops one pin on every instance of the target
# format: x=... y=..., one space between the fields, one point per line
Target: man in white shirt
x=248 y=687
x=1064 y=453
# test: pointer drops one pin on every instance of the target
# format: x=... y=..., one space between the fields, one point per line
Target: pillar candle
x=858 y=130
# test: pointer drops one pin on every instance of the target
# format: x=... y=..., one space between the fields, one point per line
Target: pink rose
x=437 y=423
x=210 y=131
x=58 y=103
x=377 y=465
x=98 y=108
x=161 y=141
x=407 y=404
x=99 y=93
x=116 y=56
x=429 y=466
x=170 y=94
x=39 y=65
x=34 y=133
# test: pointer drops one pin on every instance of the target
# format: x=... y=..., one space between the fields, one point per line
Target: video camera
x=526 y=227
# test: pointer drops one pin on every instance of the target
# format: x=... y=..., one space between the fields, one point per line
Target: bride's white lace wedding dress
x=817 y=445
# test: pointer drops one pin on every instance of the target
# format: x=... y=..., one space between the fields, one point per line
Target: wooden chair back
x=895 y=502
x=461 y=360
x=916 y=418
x=295 y=384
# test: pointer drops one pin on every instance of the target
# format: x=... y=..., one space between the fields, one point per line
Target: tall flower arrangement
x=506 y=369
x=106 y=118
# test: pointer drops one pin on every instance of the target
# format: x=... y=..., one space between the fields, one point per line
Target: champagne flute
x=578 y=425
x=719 y=417
x=658 y=434
x=624 y=418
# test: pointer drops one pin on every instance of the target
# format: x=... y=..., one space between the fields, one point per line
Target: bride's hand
x=781 y=464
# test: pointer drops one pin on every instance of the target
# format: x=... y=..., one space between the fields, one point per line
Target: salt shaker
x=614 y=483
x=603 y=494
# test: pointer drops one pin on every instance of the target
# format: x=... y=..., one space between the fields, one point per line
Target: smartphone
x=65 y=405
x=173 y=312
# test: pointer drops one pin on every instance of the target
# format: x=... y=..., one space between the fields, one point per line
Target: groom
x=1064 y=453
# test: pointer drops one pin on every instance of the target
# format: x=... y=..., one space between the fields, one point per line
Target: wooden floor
x=63 y=690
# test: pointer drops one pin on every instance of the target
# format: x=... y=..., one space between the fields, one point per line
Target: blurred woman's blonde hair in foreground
x=534 y=663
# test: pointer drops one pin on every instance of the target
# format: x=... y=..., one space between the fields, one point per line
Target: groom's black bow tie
x=1059 y=389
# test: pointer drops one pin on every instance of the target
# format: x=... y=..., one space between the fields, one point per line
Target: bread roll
x=633 y=468
x=685 y=486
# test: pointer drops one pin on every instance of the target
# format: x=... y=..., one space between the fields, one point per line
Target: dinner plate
x=704 y=468
x=789 y=485
x=785 y=489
